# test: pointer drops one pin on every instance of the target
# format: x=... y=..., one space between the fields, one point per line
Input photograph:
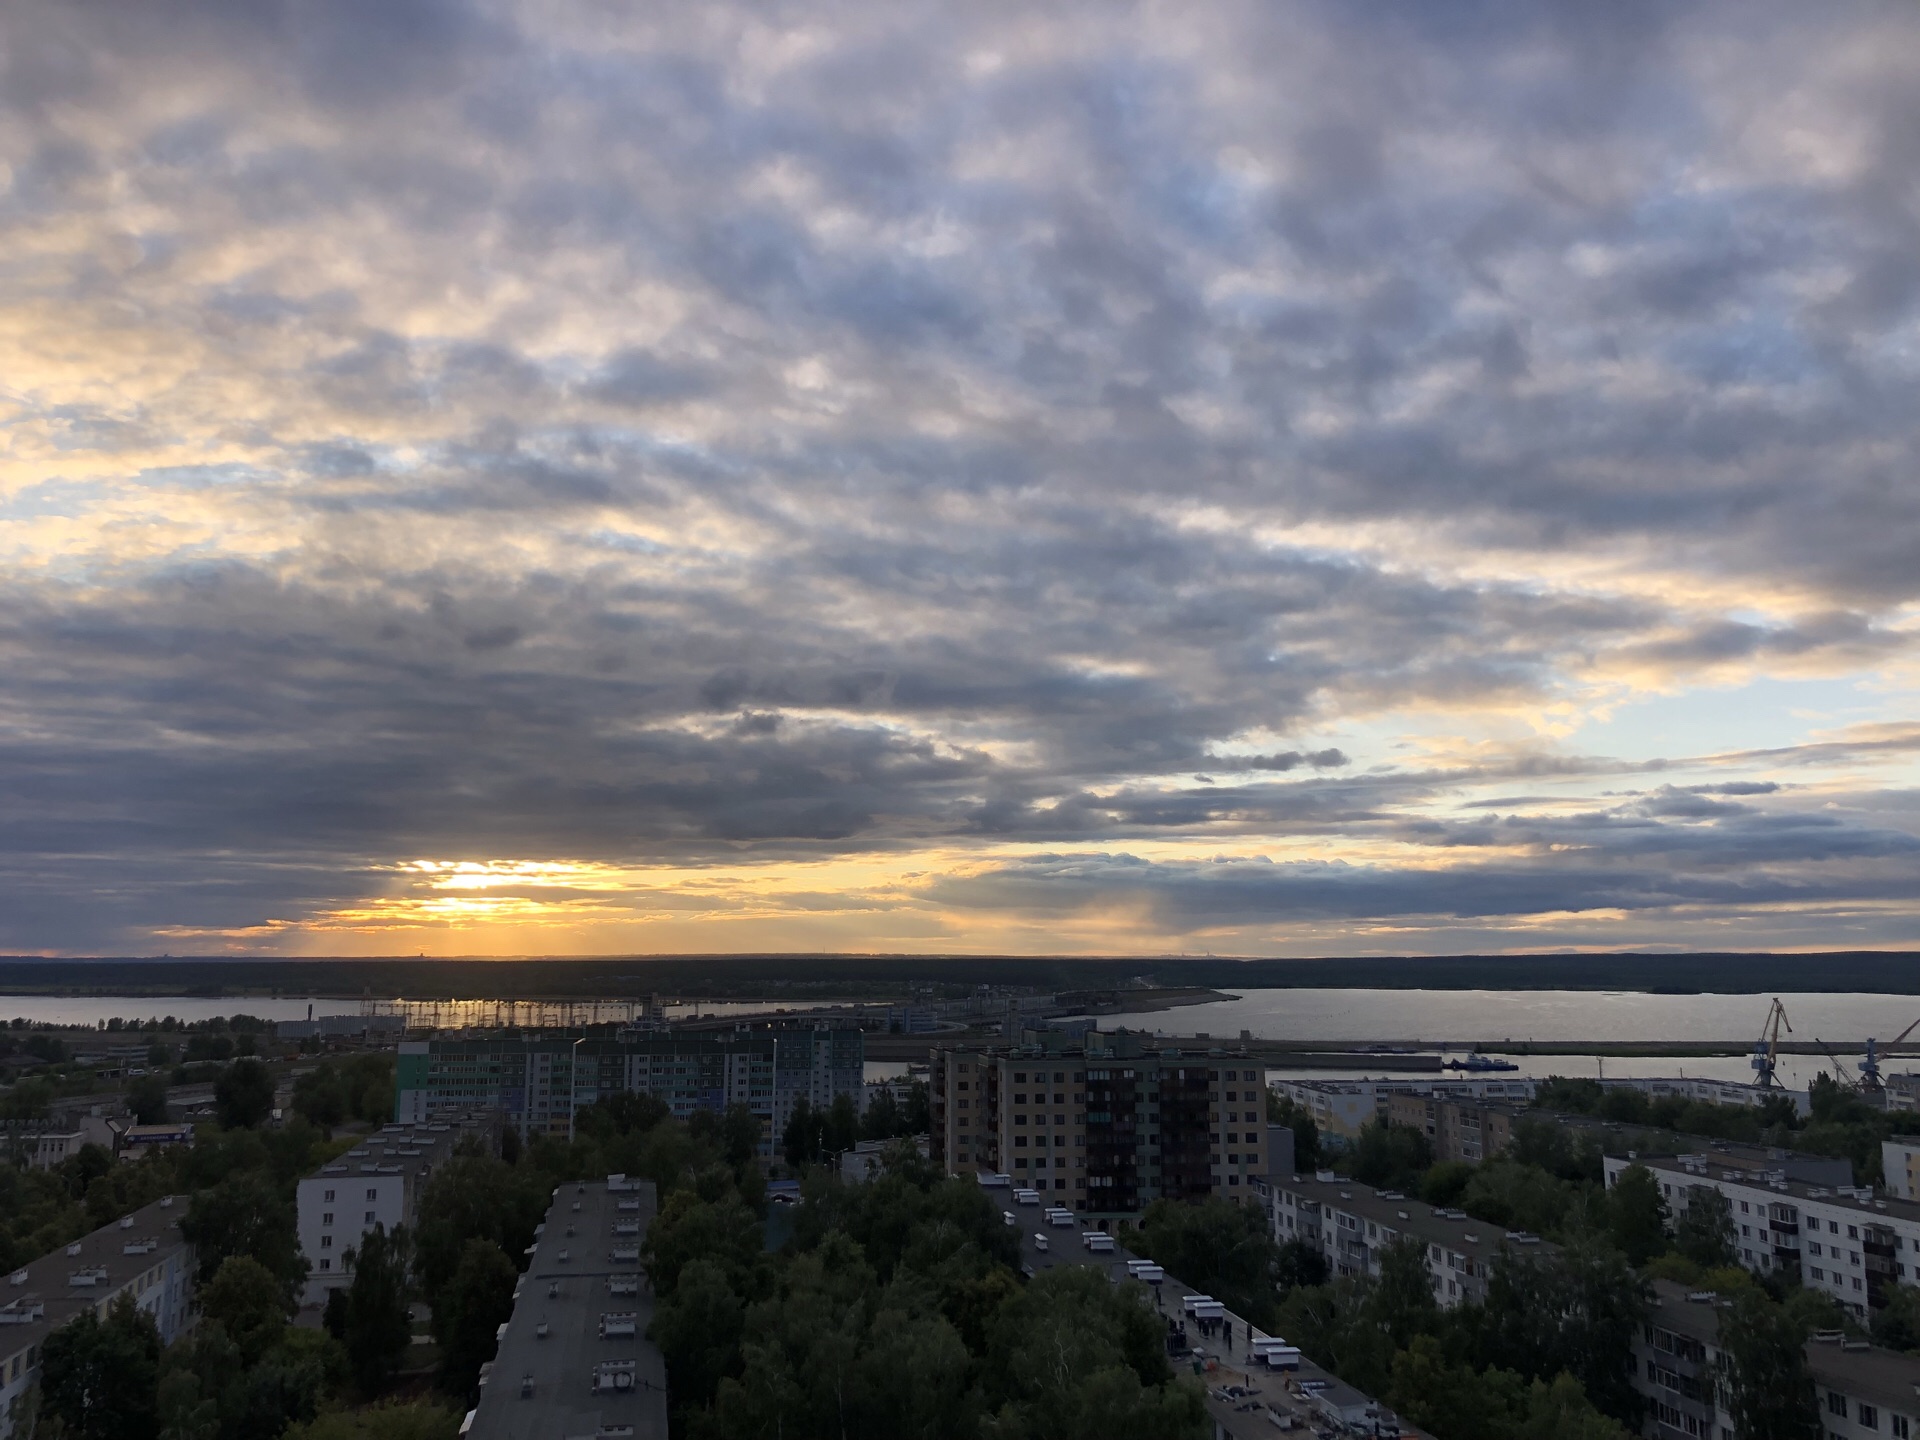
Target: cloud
x=801 y=435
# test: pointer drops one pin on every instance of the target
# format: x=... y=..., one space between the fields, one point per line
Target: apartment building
x=1100 y=1122
x=1342 y=1107
x=540 y=1081
x=378 y=1182
x=141 y=1255
x=1843 y=1240
x=1712 y=1092
x=1353 y=1225
x=1900 y=1163
x=1864 y=1393
x=1460 y=1127
x=573 y=1357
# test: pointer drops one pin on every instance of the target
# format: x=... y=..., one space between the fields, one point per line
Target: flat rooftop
x=1434 y=1224
x=574 y=1360
x=58 y=1286
x=1707 y=1165
x=405 y=1149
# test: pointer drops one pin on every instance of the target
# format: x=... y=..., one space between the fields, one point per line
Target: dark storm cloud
x=501 y=430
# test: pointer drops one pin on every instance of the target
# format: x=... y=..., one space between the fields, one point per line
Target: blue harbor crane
x=1870 y=1067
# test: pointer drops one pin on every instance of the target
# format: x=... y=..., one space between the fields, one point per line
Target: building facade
x=1863 y=1392
x=538 y=1082
x=1460 y=1128
x=1342 y=1107
x=1352 y=1225
x=1900 y=1163
x=1842 y=1240
x=378 y=1182
x=1100 y=1124
x=140 y=1255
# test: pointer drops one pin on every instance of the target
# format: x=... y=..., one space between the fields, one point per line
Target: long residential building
x=1842 y=1240
x=1352 y=1225
x=573 y=1358
x=378 y=1182
x=539 y=1082
x=141 y=1255
x=1863 y=1392
x=1342 y=1107
x=1101 y=1123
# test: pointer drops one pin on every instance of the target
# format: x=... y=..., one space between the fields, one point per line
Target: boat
x=1479 y=1064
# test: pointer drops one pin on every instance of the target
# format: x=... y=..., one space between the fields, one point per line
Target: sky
x=1277 y=478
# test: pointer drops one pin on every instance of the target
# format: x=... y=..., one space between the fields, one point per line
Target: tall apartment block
x=1103 y=1125
x=538 y=1082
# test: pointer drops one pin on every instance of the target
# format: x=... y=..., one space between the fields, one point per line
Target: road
x=1243 y=1400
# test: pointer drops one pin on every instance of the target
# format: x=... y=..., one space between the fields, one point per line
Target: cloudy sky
x=1267 y=478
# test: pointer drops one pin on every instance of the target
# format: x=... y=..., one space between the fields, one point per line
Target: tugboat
x=1479 y=1064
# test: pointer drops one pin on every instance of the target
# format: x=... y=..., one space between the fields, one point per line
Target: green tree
x=474 y=1196
x=698 y=1329
x=243 y=1095
x=882 y=1120
x=376 y=1326
x=321 y=1096
x=250 y=1302
x=689 y=1228
x=147 y=1100
x=410 y=1420
x=739 y=1134
x=801 y=1141
x=1704 y=1229
x=467 y=1316
x=916 y=1117
x=1401 y=1301
x=1299 y=1263
x=1446 y=1182
x=1896 y=1324
x=1225 y=1249
x=1763 y=1372
x=99 y=1378
x=1636 y=1215
x=245 y=1215
x=1576 y=1311
x=1391 y=1156
x=840 y=1130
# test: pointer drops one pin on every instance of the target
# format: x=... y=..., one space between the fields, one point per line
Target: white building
x=1712 y=1092
x=1842 y=1240
x=141 y=1255
x=1900 y=1160
x=378 y=1182
x=1352 y=1224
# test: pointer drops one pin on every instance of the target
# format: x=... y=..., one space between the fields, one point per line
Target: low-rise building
x=378 y=1182
x=1844 y=1241
x=1342 y=1107
x=1864 y=1393
x=141 y=1255
x=1352 y=1225
x=1100 y=1122
x=573 y=1359
x=1711 y=1092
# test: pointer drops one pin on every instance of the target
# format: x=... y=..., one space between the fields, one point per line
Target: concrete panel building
x=1353 y=1225
x=573 y=1359
x=1101 y=1124
x=1845 y=1241
x=378 y=1182
x=140 y=1255
x=1864 y=1393
x=538 y=1082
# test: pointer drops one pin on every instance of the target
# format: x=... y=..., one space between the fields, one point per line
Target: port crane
x=1870 y=1080
x=1766 y=1050
x=1839 y=1066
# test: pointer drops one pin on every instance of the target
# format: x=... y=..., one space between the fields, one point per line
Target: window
x=1902 y=1430
x=326 y=1217
x=369 y=1217
x=373 y=1194
x=1868 y=1416
x=326 y=1242
x=327 y=1196
x=1836 y=1404
x=1019 y=1077
x=1853 y=1232
x=326 y=1264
